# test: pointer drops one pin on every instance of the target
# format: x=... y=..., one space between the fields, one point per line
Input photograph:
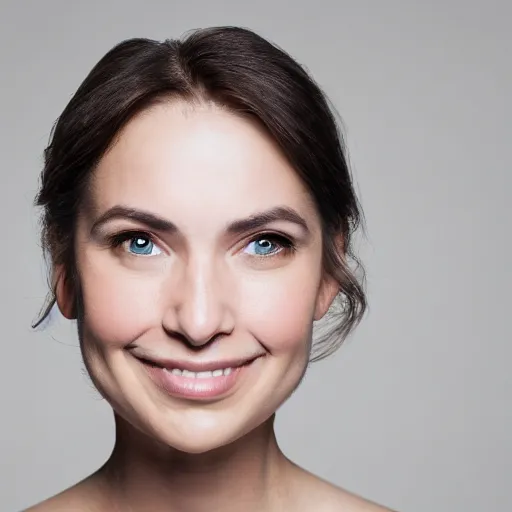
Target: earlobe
x=64 y=294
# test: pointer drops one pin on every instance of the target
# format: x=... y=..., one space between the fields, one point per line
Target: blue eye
x=138 y=244
x=142 y=245
x=270 y=245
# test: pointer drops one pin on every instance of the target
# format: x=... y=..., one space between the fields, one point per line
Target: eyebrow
x=237 y=227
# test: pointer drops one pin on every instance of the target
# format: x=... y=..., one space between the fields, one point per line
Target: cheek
x=279 y=311
x=118 y=305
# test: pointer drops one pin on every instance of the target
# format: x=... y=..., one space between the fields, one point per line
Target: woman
x=198 y=214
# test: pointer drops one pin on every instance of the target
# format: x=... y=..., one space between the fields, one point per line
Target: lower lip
x=193 y=387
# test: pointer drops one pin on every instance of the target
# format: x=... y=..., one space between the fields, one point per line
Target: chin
x=200 y=438
x=188 y=429
x=197 y=446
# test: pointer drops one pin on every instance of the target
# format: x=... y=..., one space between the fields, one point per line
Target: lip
x=195 y=366
x=196 y=388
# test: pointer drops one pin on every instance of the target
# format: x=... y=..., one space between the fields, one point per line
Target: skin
x=202 y=294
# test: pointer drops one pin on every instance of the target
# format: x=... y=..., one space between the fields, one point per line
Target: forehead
x=182 y=161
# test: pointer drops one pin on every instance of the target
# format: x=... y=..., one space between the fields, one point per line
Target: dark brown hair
x=235 y=69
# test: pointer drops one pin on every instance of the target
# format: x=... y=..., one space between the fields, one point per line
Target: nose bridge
x=203 y=309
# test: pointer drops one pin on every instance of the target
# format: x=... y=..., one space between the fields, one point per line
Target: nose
x=200 y=305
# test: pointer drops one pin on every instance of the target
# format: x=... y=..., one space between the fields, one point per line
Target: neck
x=249 y=474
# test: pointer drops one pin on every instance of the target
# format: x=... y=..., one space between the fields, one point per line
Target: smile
x=198 y=381
x=200 y=375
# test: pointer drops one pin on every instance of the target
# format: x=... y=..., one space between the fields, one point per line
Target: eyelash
x=286 y=245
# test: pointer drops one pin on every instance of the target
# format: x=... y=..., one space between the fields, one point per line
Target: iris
x=141 y=245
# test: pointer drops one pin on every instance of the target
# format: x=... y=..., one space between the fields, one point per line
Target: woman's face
x=176 y=281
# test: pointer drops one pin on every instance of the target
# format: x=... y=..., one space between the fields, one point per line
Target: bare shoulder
x=82 y=497
x=58 y=503
x=317 y=494
x=344 y=501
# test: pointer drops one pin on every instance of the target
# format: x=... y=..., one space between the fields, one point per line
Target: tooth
x=199 y=375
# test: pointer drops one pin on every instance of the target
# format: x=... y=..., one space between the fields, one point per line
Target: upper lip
x=196 y=366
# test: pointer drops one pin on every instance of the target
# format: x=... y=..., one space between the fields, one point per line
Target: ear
x=64 y=293
x=329 y=287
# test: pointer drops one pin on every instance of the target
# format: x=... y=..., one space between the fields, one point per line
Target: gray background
x=414 y=412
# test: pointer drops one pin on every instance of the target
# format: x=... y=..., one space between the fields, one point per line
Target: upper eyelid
x=129 y=233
